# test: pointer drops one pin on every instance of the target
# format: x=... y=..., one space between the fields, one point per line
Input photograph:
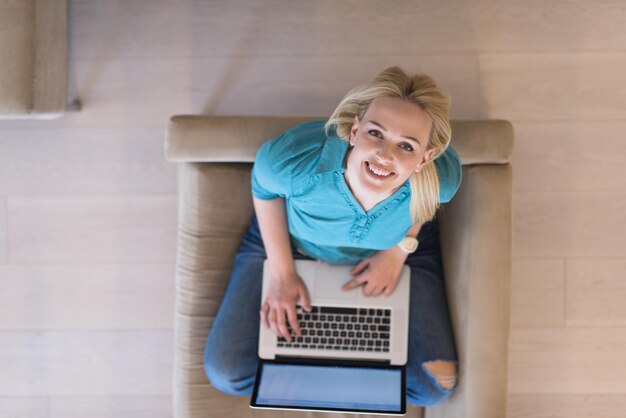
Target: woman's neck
x=366 y=200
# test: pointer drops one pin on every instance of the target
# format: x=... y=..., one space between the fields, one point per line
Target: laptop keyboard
x=345 y=329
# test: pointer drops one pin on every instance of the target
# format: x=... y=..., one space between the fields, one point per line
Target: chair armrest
x=211 y=222
x=476 y=248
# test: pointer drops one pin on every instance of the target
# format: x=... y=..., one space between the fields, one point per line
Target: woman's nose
x=384 y=152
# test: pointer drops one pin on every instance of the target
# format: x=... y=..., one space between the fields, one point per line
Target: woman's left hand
x=378 y=274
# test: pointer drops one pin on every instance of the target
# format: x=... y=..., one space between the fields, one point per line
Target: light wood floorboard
x=537 y=293
x=537 y=25
x=193 y=28
x=4 y=237
x=111 y=407
x=86 y=406
x=569 y=224
x=92 y=229
x=57 y=160
x=24 y=407
x=569 y=156
x=566 y=406
x=595 y=293
x=275 y=27
x=86 y=363
x=554 y=86
x=147 y=92
x=574 y=361
x=87 y=297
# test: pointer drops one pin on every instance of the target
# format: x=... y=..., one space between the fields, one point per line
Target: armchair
x=215 y=155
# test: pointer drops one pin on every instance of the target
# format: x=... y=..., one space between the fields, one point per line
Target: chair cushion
x=215 y=207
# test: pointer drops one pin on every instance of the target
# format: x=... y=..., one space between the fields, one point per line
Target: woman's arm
x=275 y=233
x=286 y=287
x=414 y=230
x=380 y=273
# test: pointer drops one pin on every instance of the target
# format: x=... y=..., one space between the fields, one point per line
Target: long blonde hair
x=422 y=90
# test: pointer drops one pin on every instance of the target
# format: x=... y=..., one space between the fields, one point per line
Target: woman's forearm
x=272 y=219
x=414 y=231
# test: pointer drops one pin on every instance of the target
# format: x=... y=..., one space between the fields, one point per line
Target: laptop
x=351 y=356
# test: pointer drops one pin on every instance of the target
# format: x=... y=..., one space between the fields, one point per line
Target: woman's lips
x=369 y=166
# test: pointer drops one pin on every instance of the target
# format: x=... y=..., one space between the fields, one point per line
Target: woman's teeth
x=378 y=171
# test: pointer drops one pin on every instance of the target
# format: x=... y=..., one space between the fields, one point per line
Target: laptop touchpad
x=328 y=284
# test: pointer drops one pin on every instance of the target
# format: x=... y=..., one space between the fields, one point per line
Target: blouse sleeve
x=449 y=172
x=271 y=173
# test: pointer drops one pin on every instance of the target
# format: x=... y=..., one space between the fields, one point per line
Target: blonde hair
x=422 y=90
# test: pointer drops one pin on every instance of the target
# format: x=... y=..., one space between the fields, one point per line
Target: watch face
x=409 y=244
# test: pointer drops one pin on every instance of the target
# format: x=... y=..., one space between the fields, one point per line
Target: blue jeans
x=230 y=357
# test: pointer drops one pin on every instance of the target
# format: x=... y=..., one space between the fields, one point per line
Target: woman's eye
x=375 y=133
x=407 y=147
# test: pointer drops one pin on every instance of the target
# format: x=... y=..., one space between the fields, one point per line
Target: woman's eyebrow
x=403 y=136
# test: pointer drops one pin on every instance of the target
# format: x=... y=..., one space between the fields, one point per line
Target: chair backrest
x=237 y=138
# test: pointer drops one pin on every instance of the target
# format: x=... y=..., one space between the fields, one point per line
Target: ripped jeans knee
x=444 y=372
x=433 y=384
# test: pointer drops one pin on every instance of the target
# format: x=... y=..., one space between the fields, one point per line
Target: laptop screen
x=337 y=387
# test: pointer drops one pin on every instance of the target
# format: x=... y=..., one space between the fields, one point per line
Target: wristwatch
x=408 y=244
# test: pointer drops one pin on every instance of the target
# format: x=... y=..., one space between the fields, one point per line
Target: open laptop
x=351 y=356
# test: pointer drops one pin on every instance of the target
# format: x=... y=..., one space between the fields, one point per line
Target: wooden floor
x=88 y=204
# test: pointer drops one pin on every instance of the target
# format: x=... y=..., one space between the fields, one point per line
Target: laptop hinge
x=332 y=361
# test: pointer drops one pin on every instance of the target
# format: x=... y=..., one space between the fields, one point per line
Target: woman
x=356 y=189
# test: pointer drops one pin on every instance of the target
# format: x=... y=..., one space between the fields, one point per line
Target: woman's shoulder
x=308 y=128
x=301 y=146
x=449 y=171
x=309 y=136
x=290 y=158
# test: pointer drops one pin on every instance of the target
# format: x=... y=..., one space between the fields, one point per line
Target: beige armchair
x=33 y=65
x=215 y=205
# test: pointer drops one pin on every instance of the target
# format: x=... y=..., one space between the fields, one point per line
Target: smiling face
x=389 y=144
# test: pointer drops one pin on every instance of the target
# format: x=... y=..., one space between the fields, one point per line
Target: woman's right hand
x=279 y=306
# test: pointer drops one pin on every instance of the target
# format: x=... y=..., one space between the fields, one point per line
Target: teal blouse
x=325 y=220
